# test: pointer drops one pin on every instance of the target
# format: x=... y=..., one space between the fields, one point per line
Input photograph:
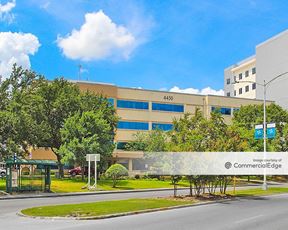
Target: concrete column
x=130 y=165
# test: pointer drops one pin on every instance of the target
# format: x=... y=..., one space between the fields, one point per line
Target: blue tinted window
x=168 y=107
x=132 y=104
x=133 y=125
x=164 y=127
x=111 y=101
x=224 y=111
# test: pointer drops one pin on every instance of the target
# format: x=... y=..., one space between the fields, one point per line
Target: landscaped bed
x=103 y=208
x=118 y=207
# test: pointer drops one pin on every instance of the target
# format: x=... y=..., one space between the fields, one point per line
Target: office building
x=269 y=61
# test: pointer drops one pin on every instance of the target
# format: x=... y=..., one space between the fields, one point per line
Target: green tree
x=19 y=127
x=58 y=100
x=86 y=133
x=248 y=116
x=115 y=172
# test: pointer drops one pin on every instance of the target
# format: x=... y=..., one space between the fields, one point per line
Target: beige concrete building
x=143 y=110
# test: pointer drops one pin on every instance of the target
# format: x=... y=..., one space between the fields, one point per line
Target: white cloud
x=98 y=38
x=205 y=91
x=5 y=11
x=16 y=48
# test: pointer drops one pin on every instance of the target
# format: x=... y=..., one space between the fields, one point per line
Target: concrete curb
x=127 y=213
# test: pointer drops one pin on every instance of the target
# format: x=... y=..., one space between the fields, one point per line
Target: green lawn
x=102 y=208
x=2 y=184
x=75 y=185
x=260 y=192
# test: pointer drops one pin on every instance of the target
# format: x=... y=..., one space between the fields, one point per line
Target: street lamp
x=265 y=86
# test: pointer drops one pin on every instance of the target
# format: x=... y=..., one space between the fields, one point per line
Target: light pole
x=264 y=85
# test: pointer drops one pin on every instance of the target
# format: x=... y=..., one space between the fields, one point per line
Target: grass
x=260 y=192
x=102 y=208
x=2 y=184
x=75 y=185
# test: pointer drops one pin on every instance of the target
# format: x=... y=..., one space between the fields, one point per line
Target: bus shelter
x=28 y=175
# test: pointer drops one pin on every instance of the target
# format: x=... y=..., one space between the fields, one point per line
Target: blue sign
x=271 y=131
x=258 y=133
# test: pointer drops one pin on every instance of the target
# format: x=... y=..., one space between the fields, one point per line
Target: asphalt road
x=259 y=213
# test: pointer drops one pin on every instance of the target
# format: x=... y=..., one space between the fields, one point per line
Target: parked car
x=77 y=171
x=2 y=172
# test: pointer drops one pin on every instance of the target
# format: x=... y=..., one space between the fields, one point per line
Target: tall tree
x=18 y=129
x=86 y=133
x=58 y=100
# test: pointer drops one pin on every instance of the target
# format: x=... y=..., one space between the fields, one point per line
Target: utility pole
x=264 y=186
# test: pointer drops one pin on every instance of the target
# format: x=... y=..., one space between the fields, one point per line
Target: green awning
x=21 y=161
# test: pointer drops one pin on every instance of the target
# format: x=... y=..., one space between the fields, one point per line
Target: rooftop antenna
x=79 y=73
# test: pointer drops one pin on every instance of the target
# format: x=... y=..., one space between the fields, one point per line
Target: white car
x=2 y=172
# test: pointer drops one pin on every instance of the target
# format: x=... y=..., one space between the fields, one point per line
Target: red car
x=77 y=171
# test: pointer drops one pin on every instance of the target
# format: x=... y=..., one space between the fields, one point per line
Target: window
x=235 y=93
x=161 y=126
x=247 y=73
x=223 y=110
x=168 y=107
x=240 y=76
x=254 y=70
x=254 y=86
x=240 y=91
x=247 y=88
x=111 y=101
x=228 y=81
x=236 y=110
x=133 y=125
x=132 y=104
x=228 y=94
x=121 y=145
x=235 y=78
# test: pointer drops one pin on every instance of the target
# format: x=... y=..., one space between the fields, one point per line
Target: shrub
x=137 y=177
x=115 y=172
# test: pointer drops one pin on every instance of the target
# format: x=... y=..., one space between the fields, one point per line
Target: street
x=257 y=213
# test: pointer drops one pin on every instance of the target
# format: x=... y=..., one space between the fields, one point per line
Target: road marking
x=248 y=219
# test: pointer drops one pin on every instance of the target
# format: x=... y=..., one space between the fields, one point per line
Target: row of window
x=135 y=125
x=223 y=110
x=240 y=90
x=240 y=76
x=126 y=104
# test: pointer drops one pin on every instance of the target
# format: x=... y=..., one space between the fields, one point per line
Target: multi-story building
x=144 y=110
x=270 y=60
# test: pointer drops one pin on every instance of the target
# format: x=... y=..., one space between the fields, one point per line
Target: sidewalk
x=49 y=195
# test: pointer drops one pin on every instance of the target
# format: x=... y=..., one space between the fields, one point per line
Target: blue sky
x=151 y=44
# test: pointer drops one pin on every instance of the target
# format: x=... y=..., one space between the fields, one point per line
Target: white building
x=270 y=60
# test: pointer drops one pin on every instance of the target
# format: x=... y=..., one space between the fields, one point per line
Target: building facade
x=269 y=61
x=143 y=110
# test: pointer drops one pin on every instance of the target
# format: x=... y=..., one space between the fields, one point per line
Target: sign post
x=95 y=158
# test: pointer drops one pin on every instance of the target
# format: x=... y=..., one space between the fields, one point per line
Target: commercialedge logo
x=258 y=165
x=228 y=165
x=267 y=165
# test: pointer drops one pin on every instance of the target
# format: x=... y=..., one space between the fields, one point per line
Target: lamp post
x=264 y=85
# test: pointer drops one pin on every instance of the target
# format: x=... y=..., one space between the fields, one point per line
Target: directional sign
x=271 y=130
x=91 y=157
x=258 y=133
